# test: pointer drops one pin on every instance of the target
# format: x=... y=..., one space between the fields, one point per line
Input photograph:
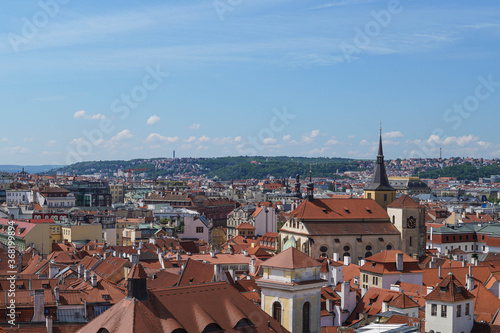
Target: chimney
x=81 y=269
x=396 y=287
x=53 y=270
x=432 y=234
x=344 y=293
x=470 y=282
x=57 y=294
x=93 y=280
x=464 y=263
x=152 y=241
x=439 y=273
x=160 y=259
x=329 y=305
x=212 y=253
x=399 y=261
x=385 y=307
x=252 y=265
x=134 y=259
x=49 y=324
x=178 y=257
x=86 y=275
x=347 y=260
x=335 y=256
x=429 y=290
x=39 y=306
x=362 y=262
x=470 y=270
x=245 y=253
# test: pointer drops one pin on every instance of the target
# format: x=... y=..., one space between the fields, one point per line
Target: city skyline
x=112 y=81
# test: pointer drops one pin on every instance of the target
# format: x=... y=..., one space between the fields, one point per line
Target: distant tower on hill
x=174 y=154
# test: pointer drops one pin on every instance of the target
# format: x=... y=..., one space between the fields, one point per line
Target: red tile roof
x=403 y=301
x=339 y=209
x=449 y=290
x=137 y=272
x=403 y=201
x=196 y=272
x=291 y=259
x=190 y=308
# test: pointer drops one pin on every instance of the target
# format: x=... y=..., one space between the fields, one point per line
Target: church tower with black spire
x=379 y=188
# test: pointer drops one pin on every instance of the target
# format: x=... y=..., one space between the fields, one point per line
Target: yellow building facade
x=291 y=290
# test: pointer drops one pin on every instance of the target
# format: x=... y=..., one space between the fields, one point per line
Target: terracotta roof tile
x=291 y=259
x=449 y=290
x=137 y=272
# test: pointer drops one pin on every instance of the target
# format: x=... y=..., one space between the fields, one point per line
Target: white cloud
x=195 y=126
x=153 y=120
x=155 y=137
x=98 y=117
x=433 y=139
x=125 y=134
x=364 y=143
x=461 y=140
x=309 y=138
x=28 y=139
x=350 y=137
x=484 y=144
x=332 y=142
x=79 y=114
x=238 y=139
x=269 y=141
x=203 y=138
x=191 y=139
x=82 y=114
x=5 y=139
x=392 y=135
x=51 y=143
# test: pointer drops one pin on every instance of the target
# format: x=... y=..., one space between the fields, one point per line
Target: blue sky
x=100 y=80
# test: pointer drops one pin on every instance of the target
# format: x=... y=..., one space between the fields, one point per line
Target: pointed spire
x=380 y=181
x=380 y=151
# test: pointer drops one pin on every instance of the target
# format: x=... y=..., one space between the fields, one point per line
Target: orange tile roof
x=403 y=201
x=449 y=290
x=137 y=272
x=403 y=301
x=196 y=272
x=291 y=259
x=339 y=209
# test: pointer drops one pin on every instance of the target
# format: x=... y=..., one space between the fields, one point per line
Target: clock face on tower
x=411 y=223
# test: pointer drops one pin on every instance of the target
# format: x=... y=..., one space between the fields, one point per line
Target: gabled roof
x=404 y=201
x=291 y=259
x=340 y=209
x=190 y=308
x=449 y=290
x=403 y=301
x=196 y=272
